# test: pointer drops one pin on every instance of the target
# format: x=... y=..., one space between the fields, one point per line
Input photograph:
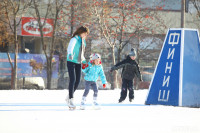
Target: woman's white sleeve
x=71 y=45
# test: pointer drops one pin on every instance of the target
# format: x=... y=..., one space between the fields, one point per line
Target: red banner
x=30 y=27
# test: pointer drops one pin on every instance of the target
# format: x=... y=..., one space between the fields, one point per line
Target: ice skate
x=96 y=106
x=130 y=100
x=121 y=101
x=71 y=104
x=82 y=107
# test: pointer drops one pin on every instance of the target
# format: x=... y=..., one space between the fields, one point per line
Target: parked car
x=23 y=83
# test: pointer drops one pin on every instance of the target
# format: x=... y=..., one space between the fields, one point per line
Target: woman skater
x=75 y=58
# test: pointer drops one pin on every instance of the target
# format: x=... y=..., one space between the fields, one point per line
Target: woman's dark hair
x=81 y=30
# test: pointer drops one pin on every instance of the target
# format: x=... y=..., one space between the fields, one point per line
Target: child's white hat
x=95 y=56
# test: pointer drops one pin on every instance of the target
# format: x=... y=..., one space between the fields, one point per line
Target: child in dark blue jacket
x=129 y=71
x=93 y=71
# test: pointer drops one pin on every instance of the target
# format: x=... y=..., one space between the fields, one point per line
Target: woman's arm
x=71 y=46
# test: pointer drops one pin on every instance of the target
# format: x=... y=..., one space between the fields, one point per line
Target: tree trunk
x=12 y=78
x=119 y=55
x=12 y=71
x=15 y=68
x=72 y=16
x=49 y=72
x=16 y=54
x=137 y=83
x=114 y=82
x=137 y=59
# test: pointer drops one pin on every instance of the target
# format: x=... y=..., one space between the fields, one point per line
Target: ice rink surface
x=45 y=111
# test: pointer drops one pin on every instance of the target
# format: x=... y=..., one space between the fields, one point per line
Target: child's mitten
x=84 y=66
x=104 y=85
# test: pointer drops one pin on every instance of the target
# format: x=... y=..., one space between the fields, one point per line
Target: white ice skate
x=82 y=107
x=96 y=106
x=71 y=104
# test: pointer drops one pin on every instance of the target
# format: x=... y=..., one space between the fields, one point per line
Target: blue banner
x=164 y=88
x=29 y=65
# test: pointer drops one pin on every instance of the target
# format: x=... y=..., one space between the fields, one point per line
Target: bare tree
x=101 y=10
x=5 y=37
x=53 y=9
x=121 y=21
x=75 y=13
x=12 y=13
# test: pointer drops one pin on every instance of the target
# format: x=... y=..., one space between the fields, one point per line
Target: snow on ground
x=34 y=111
